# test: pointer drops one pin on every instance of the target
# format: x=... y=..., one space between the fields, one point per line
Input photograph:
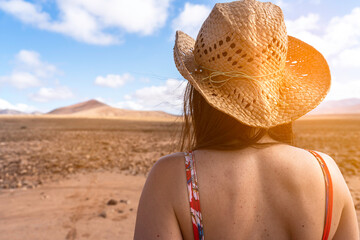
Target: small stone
x=102 y=214
x=120 y=211
x=112 y=202
x=131 y=209
x=124 y=201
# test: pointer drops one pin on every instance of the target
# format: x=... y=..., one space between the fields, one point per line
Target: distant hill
x=345 y=106
x=79 y=107
x=36 y=113
x=107 y=111
x=94 y=108
x=11 y=112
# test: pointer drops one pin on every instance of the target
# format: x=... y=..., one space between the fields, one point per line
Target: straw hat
x=244 y=64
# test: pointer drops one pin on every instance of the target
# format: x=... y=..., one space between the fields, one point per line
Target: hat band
x=217 y=82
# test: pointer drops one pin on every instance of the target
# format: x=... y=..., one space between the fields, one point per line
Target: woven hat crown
x=243 y=36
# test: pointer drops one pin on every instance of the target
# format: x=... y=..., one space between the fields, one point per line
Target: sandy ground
x=74 y=208
x=57 y=175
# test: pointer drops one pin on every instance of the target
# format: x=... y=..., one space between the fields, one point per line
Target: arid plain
x=81 y=178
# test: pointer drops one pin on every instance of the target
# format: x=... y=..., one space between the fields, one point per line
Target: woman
x=248 y=81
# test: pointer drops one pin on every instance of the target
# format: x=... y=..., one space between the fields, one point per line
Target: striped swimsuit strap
x=194 y=197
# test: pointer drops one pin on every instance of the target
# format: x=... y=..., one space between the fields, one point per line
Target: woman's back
x=277 y=192
x=258 y=193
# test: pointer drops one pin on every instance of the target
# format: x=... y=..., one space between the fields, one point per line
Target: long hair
x=205 y=127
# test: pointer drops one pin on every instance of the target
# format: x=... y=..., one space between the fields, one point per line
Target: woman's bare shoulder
x=177 y=156
x=336 y=175
x=300 y=163
x=170 y=162
x=169 y=167
x=330 y=162
x=296 y=153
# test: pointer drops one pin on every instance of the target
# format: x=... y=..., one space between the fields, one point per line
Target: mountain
x=94 y=108
x=79 y=107
x=108 y=111
x=36 y=113
x=344 y=106
x=11 y=112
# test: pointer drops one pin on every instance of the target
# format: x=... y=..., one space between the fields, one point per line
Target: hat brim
x=303 y=85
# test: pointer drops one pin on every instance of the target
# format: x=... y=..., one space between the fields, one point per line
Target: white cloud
x=25 y=12
x=344 y=32
x=90 y=21
x=344 y=89
x=349 y=58
x=339 y=34
x=304 y=23
x=21 y=80
x=112 y=80
x=28 y=70
x=19 y=106
x=167 y=97
x=47 y=94
x=27 y=60
x=191 y=19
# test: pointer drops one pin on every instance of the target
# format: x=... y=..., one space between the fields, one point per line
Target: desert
x=92 y=93
x=75 y=177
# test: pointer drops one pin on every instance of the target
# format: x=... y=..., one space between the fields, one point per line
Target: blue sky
x=59 y=52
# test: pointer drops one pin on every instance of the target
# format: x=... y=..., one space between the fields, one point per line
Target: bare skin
x=273 y=193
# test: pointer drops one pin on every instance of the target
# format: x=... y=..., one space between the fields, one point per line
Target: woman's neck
x=267 y=139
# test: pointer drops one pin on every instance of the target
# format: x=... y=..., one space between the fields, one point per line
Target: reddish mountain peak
x=78 y=107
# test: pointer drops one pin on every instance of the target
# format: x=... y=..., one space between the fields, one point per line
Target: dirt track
x=73 y=208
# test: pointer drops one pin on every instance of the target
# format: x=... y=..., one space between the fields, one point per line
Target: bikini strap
x=328 y=193
x=194 y=198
